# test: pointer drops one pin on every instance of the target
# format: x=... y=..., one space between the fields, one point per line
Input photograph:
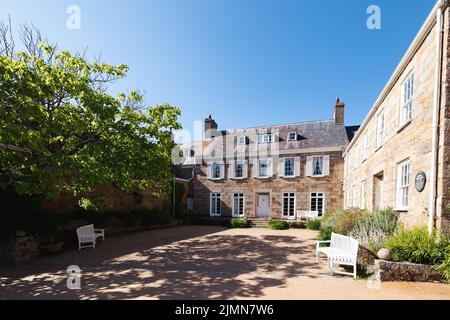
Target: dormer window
x=188 y=153
x=241 y=140
x=292 y=136
x=265 y=138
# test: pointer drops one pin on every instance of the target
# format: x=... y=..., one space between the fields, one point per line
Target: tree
x=61 y=130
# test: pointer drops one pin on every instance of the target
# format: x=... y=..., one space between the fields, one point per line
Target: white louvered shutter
x=231 y=170
x=281 y=165
x=270 y=167
x=255 y=168
x=309 y=166
x=245 y=173
x=326 y=165
x=297 y=166
x=209 y=171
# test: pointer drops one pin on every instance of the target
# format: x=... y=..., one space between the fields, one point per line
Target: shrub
x=343 y=221
x=153 y=217
x=325 y=233
x=444 y=266
x=296 y=225
x=239 y=223
x=313 y=225
x=373 y=229
x=417 y=245
x=278 y=225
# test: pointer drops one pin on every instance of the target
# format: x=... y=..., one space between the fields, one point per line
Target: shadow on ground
x=179 y=263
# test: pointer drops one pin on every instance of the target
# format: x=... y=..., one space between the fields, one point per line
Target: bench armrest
x=99 y=230
x=326 y=241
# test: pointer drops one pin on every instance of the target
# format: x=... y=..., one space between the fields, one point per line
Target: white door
x=262 y=207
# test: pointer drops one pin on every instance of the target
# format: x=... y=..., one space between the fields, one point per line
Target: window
x=380 y=129
x=289 y=167
x=239 y=170
x=403 y=173
x=216 y=205
x=263 y=168
x=317 y=202
x=407 y=99
x=216 y=171
x=354 y=199
x=188 y=153
x=289 y=205
x=317 y=166
x=362 y=201
x=365 y=146
x=242 y=140
x=265 y=138
x=238 y=205
x=292 y=136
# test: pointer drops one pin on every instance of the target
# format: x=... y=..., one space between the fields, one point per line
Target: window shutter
x=209 y=171
x=231 y=171
x=326 y=165
x=255 y=168
x=309 y=166
x=222 y=171
x=245 y=173
x=270 y=167
x=281 y=165
x=297 y=166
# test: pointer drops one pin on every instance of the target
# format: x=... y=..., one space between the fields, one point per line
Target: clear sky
x=246 y=62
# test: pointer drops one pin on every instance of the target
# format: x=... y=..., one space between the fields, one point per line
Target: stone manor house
x=399 y=157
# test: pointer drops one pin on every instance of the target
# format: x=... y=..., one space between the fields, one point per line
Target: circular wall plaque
x=420 y=181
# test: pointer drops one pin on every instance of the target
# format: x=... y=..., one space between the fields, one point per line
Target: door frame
x=294 y=217
x=267 y=194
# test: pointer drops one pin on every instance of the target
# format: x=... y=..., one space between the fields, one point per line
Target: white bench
x=87 y=236
x=307 y=215
x=342 y=251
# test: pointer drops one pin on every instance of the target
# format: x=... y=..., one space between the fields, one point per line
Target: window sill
x=401 y=210
x=288 y=177
x=263 y=178
x=378 y=148
x=242 y=178
x=215 y=215
x=404 y=126
x=321 y=176
x=218 y=179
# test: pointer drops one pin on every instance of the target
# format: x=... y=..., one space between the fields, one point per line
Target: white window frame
x=289 y=136
x=236 y=164
x=292 y=161
x=242 y=140
x=265 y=138
x=406 y=100
x=267 y=168
x=381 y=127
x=213 y=172
x=187 y=153
x=238 y=196
x=311 y=198
x=403 y=185
x=213 y=198
x=289 y=195
x=321 y=168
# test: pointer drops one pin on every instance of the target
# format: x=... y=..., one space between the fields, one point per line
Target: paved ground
x=201 y=263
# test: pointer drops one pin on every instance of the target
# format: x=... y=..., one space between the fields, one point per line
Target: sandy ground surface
x=201 y=263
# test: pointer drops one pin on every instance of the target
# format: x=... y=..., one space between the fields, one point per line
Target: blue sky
x=248 y=63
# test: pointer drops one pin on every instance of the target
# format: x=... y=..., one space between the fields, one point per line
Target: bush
x=343 y=221
x=373 y=229
x=153 y=217
x=296 y=225
x=239 y=223
x=416 y=245
x=313 y=225
x=278 y=225
x=325 y=234
x=444 y=266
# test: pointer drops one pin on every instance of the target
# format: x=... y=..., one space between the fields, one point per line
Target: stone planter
x=366 y=258
x=405 y=271
x=53 y=248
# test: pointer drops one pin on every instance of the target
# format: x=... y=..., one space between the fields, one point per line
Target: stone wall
x=21 y=250
x=412 y=142
x=405 y=271
x=302 y=186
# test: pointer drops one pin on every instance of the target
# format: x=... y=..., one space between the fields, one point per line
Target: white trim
x=404 y=118
x=294 y=217
x=323 y=201
x=243 y=204
x=399 y=206
x=289 y=136
x=211 y=195
x=239 y=140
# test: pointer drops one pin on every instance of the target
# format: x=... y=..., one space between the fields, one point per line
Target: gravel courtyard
x=198 y=262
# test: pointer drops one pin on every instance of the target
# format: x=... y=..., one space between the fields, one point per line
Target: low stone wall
x=21 y=250
x=405 y=271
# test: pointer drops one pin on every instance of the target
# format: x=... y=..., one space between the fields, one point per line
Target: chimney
x=339 y=112
x=210 y=128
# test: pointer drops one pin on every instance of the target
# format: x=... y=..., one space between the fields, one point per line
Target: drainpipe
x=436 y=114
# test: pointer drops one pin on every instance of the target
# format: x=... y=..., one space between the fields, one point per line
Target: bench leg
x=330 y=266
